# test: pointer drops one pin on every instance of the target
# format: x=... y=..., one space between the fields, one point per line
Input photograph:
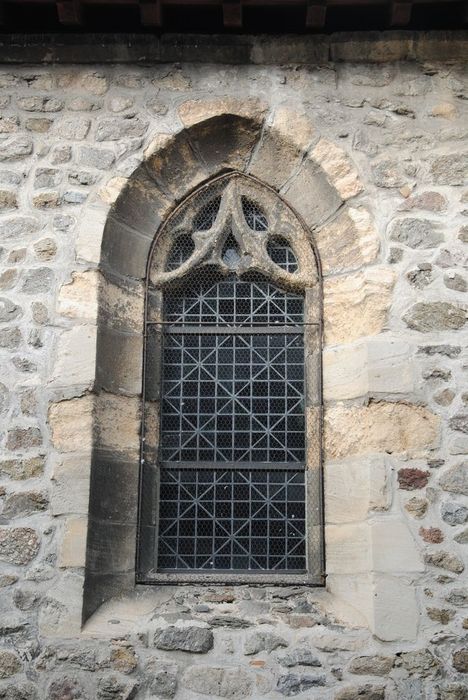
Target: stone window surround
x=366 y=585
x=306 y=281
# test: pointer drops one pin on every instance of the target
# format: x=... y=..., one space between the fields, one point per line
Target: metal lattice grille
x=233 y=302
x=215 y=519
x=233 y=398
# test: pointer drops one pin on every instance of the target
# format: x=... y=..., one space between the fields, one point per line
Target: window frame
x=313 y=474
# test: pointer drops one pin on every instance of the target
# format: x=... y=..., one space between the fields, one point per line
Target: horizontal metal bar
x=196 y=326
x=239 y=466
x=234 y=330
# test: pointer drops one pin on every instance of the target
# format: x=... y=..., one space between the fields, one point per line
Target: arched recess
x=285 y=153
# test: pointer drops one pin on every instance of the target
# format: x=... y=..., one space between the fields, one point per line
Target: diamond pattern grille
x=232 y=448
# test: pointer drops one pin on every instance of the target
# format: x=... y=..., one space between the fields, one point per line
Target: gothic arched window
x=230 y=486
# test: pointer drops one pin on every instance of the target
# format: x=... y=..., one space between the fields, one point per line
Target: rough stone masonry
x=392 y=137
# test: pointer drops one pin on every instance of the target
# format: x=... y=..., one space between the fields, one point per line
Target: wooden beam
x=151 y=13
x=400 y=13
x=316 y=14
x=70 y=12
x=232 y=14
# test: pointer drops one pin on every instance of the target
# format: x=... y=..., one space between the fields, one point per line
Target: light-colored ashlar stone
x=118 y=423
x=355 y=487
x=395 y=609
x=73 y=548
x=70 y=490
x=195 y=111
x=222 y=682
x=348 y=242
x=338 y=167
x=374 y=366
x=357 y=305
x=71 y=424
x=379 y=427
x=76 y=358
x=393 y=548
x=282 y=146
x=78 y=299
x=89 y=239
x=60 y=613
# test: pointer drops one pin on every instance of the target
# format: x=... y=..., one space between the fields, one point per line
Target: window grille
x=225 y=489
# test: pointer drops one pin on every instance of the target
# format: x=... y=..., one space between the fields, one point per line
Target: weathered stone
x=445 y=560
x=356 y=305
x=8 y=310
x=10 y=338
x=299 y=656
x=9 y=664
x=460 y=660
x=95 y=83
x=428 y=201
x=23 y=438
x=73 y=128
x=459 y=422
x=61 y=154
x=263 y=641
x=123 y=659
x=73 y=197
x=416 y=233
x=458 y=597
x=221 y=682
x=432 y=535
x=450 y=169
x=45 y=249
x=117 y=128
x=47 y=200
x=99 y=158
x=435 y=316
x=8 y=124
x=455 y=480
x=417 y=507
x=379 y=427
x=66 y=688
x=84 y=104
x=371 y=665
x=441 y=615
x=24 y=503
x=37 y=281
x=40 y=104
x=453 y=280
x=71 y=424
x=348 y=242
x=462 y=537
x=454 y=513
x=8 y=278
x=447 y=350
x=8 y=200
x=453 y=691
x=421 y=663
x=293 y=684
x=82 y=177
x=229 y=621
x=18 y=545
x=114 y=688
x=40 y=125
x=444 y=397
x=162 y=679
x=47 y=177
x=388 y=174
x=189 y=638
x=362 y=692
x=421 y=276
x=15 y=148
x=338 y=168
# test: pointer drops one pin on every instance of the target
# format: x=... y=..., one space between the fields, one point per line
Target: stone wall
x=390 y=140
